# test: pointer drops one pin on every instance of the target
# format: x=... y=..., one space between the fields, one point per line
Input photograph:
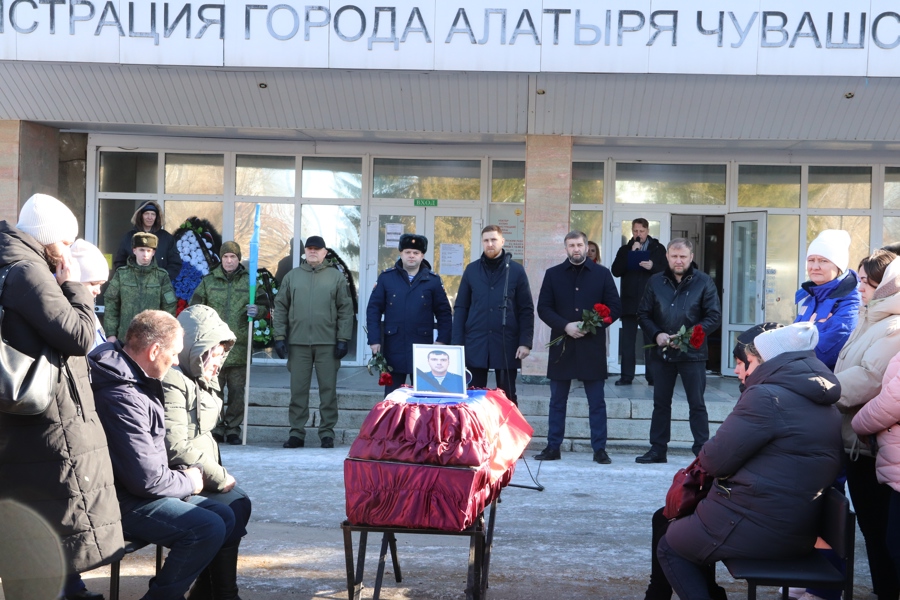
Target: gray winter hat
x=799 y=337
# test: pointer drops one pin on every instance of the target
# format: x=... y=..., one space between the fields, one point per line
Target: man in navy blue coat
x=411 y=298
x=438 y=378
x=569 y=289
x=494 y=314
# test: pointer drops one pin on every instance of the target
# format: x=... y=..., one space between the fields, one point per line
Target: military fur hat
x=144 y=240
x=411 y=241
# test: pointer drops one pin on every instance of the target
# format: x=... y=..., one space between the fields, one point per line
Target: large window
x=647 y=183
x=769 y=186
x=265 y=176
x=195 y=174
x=840 y=187
x=427 y=179
x=327 y=177
x=508 y=181
x=587 y=183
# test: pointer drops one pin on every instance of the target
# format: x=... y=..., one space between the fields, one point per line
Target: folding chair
x=130 y=547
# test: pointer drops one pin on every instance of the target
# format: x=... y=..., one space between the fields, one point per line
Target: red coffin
x=433 y=463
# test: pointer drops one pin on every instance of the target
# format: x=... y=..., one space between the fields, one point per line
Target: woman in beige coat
x=192 y=405
x=860 y=368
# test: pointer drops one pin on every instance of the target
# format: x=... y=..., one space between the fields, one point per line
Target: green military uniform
x=313 y=310
x=228 y=294
x=134 y=289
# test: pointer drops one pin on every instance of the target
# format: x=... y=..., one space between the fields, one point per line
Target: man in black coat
x=149 y=219
x=494 y=315
x=635 y=274
x=411 y=298
x=680 y=296
x=566 y=292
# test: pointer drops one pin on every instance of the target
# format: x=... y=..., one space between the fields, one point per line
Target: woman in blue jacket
x=830 y=298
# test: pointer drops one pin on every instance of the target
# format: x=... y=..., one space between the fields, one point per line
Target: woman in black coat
x=772 y=457
x=55 y=463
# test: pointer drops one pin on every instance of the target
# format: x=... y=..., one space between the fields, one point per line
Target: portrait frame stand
x=481 y=539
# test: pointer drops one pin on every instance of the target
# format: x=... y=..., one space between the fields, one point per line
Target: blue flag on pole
x=254 y=257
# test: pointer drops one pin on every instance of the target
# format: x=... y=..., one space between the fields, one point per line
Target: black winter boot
x=223 y=573
x=202 y=589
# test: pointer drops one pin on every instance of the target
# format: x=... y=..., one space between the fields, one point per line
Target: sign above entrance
x=774 y=37
x=424 y=202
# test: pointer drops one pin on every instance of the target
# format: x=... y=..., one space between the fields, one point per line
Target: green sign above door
x=425 y=202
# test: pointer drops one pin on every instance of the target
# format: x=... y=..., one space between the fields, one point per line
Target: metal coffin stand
x=480 y=543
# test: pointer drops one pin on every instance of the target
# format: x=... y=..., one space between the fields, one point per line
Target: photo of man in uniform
x=438 y=378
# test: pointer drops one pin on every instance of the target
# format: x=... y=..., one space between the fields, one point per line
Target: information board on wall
x=788 y=37
x=511 y=220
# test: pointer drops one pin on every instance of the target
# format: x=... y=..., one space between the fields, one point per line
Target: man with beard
x=680 y=296
x=494 y=315
x=567 y=291
x=411 y=298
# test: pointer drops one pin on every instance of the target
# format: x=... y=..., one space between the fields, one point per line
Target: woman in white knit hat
x=56 y=463
x=94 y=273
x=830 y=298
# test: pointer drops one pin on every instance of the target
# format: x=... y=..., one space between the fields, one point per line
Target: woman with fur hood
x=860 y=367
x=149 y=219
x=192 y=406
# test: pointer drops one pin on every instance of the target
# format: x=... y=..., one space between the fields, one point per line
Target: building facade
x=747 y=130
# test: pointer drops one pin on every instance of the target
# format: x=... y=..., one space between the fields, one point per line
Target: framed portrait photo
x=439 y=370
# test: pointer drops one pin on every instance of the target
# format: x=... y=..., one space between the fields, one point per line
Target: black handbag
x=27 y=385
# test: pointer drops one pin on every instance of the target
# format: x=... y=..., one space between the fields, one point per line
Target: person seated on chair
x=772 y=457
x=438 y=379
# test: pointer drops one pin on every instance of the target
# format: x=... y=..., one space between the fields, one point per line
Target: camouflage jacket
x=134 y=289
x=228 y=294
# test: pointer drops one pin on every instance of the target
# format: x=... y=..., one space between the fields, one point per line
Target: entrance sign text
x=787 y=37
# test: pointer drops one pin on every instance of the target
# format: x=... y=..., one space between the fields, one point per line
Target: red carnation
x=697 y=337
x=385 y=379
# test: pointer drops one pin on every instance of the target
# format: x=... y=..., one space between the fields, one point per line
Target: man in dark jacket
x=680 y=296
x=772 y=456
x=55 y=463
x=494 y=315
x=148 y=218
x=635 y=262
x=411 y=298
x=566 y=292
x=159 y=505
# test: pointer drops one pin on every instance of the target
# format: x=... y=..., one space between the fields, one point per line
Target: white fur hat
x=47 y=220
x=833 y=244
x=92 y=262
x=798 y=337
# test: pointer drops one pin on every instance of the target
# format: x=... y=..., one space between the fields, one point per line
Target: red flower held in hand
x=385 y=379
x=697 y=337
x=602 y=310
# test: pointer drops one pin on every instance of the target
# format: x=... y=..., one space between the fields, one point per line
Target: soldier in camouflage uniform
x=227 y=291
x=138 y=286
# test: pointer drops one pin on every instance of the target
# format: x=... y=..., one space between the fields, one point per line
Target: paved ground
x=586 y=535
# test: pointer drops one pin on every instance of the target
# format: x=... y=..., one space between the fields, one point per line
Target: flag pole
x=254 y=265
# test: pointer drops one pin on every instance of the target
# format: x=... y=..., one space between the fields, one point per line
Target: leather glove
x=340 y=349
x=252 y=310
x=281 y=349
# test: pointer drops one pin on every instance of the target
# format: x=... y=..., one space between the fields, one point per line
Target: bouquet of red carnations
x=590 y=321
x=693 y=337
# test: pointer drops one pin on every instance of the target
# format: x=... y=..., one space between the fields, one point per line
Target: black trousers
x=693 y=378
x=872 y=503
x=506 y=381
x=627 y=340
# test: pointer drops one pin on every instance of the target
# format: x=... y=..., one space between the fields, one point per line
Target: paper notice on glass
x=392 y=233
x=452 y=258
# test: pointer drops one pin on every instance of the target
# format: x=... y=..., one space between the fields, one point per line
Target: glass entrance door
x=660 y=228
x=744 y=281
x=453 y=234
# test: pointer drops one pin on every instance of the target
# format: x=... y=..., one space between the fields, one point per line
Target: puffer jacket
x=773 y=455
x=192 y=403
x=167 y=256
x=228 y=294
x=668 y=305
x=880 y=417
x=134 y=289
x=862 y=361
x=835 y=305
x=313 y=306
x=57 y=463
